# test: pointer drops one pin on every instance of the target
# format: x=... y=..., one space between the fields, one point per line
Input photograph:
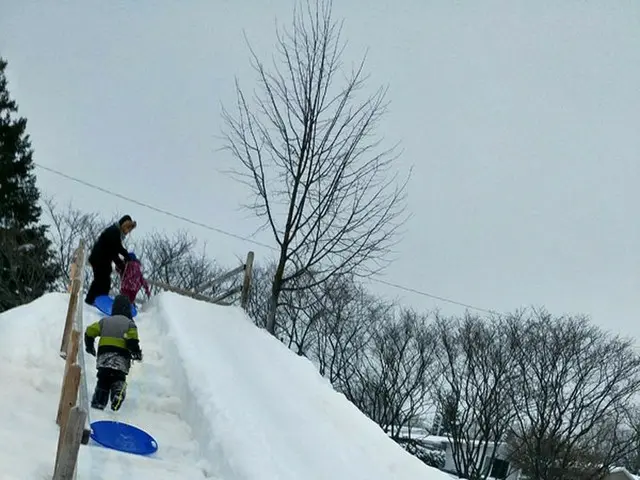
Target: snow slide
x=223 y=399
x=262 y=412
x=31 y=371
x=153 y=403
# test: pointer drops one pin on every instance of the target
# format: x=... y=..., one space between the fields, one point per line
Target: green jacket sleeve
x=93 y=330
x=131 y=337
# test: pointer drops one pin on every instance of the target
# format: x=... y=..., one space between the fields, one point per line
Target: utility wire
x=436 y=297
x=151 y=207
x=245 y=239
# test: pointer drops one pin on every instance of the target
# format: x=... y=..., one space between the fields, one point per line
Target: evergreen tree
x=27 y=269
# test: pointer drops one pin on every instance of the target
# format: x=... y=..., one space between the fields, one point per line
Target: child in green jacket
x=118 y=345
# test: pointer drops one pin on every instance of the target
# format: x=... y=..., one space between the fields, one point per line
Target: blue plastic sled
x=105 y=302
x=123 y=437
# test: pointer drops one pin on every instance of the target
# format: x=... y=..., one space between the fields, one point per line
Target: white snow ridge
x=223 y=399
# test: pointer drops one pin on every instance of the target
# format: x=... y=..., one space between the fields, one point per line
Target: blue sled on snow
x=123 y=437
x=105 y=302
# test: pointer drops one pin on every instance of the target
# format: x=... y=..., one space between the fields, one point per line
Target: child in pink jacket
x=132 y=279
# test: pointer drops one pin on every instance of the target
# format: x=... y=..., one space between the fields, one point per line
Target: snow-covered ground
x=223 y=399
x=153 y=403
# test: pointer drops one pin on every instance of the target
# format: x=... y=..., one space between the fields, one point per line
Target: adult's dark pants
x=101 y=284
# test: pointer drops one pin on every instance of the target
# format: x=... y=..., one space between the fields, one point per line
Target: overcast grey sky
x=520 y=117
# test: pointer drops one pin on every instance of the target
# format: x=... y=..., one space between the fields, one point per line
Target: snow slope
x=223 y=399
x=31 y=371
x=266 y=413
x=154 y=404
x=31 y=375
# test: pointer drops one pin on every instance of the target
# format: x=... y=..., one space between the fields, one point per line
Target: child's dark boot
x=118 y=394
x=100 y=398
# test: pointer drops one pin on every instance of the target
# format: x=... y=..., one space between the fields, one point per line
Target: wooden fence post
x=69 y=396
x=73 y=269
x=72 y=275
x=69 y=445
x=71 y=313
x=71 y=417
x=246 y=284
x=72 y=356
x=77 y=272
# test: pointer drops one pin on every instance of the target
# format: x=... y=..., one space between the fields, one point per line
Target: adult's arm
x=116 y=248
x=117 y=243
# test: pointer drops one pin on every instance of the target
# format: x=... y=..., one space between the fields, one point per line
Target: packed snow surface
x=223 y=399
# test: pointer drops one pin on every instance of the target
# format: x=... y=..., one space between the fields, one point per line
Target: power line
x=151 y=207
x=436 y=297
x=244 y=239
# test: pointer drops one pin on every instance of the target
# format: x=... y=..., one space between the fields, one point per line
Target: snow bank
x=31 y=372
x=260 y=411
x=223 y=398
x=154 y=404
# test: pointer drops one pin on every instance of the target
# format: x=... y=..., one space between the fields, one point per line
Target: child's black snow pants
x=110 y=382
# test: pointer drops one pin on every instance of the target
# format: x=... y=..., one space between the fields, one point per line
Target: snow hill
x=223 y=399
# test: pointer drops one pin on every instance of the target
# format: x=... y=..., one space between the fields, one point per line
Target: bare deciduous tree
x=68 y=226
x=320 y=179
x=301 y=310
x=629 y=450
x=345 y=333
x=394 y=378
x=473 y=391
x=575 y=380
x=311 y=312
x=614 y=439
x=173 y=260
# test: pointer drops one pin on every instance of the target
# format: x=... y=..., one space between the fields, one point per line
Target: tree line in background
x=560 y=392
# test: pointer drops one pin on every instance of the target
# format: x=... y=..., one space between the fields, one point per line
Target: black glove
x=133 y=344
x=88 y=345
x=136 y=355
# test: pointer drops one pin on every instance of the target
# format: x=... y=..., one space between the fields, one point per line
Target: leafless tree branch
x=575 y=382
x=174 y=260
x=308 y=152
x=68 y=226
x=476 y=367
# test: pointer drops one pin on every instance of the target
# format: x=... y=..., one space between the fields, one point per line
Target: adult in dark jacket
x=107 y=249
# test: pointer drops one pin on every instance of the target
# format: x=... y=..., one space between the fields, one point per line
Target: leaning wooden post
x=67 y=380
x=73 y=300
x=72 y=275
x=69 y=445
x=246 y=284
x=71 y=313
x=69 y=396
x=69 y=393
